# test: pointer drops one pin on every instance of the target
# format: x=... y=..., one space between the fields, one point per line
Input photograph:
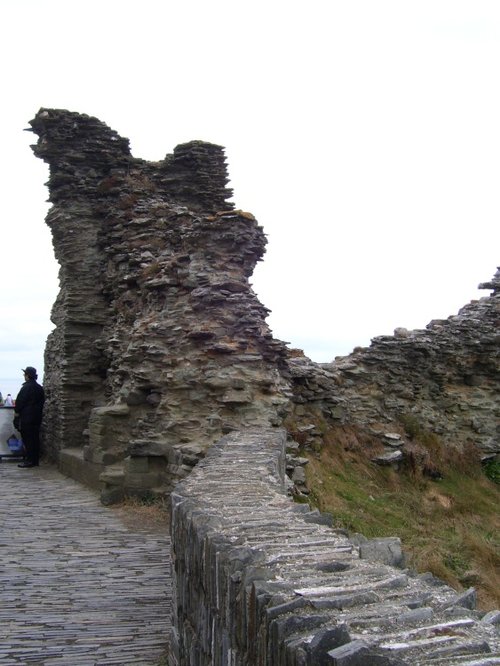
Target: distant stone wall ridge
x=446 y=377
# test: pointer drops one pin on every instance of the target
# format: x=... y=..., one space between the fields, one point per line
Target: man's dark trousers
x=31 y=440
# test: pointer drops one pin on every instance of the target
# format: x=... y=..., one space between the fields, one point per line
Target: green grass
x=448 y=526
x=492 y=470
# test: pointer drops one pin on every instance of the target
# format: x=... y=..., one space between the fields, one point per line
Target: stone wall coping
x=259 y=579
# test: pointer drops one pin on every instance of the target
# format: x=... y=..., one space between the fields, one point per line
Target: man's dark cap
x=30 y=371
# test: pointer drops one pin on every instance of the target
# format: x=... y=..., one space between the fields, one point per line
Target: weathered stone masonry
x=161 y=348
x=160 y=344
x=446 y=377
x=260 y=580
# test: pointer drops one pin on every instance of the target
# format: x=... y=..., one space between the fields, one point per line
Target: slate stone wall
x=445 y=379
x=160 y=345
x=259 y=580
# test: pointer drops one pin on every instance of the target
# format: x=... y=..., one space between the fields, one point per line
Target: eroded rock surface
x=446 y=378
x=160 y=344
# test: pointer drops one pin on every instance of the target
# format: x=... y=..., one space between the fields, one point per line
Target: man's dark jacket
x=29 y=404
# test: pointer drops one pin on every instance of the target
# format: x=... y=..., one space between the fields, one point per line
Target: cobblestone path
x=78 y=585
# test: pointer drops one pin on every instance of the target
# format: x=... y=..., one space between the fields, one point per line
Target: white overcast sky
x=364 y=135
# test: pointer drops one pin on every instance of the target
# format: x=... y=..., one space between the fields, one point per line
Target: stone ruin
x=161 y=356
x=445 y=378
x=161 y=347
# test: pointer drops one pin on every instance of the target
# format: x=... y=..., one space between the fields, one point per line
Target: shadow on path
x=78 y=584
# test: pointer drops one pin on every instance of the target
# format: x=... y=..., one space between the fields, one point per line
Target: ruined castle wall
x=161 y=355
x=261 y=580
x=160 y=344
x=74 y=149
x=445 y=377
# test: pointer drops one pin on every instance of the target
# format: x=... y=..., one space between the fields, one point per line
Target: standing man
x=28 y=416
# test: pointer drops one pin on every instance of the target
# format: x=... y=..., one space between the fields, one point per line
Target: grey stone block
x=467 y=599
x=288 y=607
x=321 y=518
x=292 y=624
x=414 y=616
x=324 y=641
x=493 y=617
x=387 y=550
x=354 y=653
x=330 y=567
x=347 y=600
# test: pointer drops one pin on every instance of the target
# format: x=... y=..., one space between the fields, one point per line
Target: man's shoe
x=26 y=464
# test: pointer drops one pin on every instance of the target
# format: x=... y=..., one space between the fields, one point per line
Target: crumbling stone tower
x=160 y=345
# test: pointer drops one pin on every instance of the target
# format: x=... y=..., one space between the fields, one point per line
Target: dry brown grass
x=448 y=526
x=151 y=515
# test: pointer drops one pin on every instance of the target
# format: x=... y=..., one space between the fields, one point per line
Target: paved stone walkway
x=78 y=585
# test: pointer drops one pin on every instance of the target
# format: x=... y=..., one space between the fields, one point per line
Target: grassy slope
x=448 y=526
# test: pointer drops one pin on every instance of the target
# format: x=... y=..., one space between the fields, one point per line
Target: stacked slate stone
x=445 y=377
x=160 y=345
x=189 y=175
x=81 y=151
x=261 y=580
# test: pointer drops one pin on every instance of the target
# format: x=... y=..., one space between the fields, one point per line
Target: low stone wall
x=261 y=580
